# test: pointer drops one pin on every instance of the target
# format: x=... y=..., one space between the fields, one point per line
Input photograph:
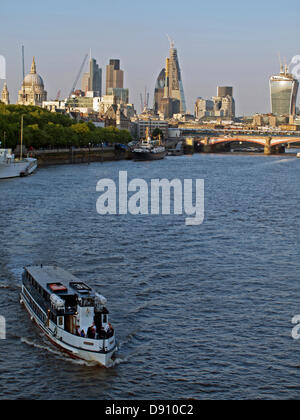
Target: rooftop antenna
x=142 y=102
x=286 y=67
x=23 y=70
x=23 y=61
x=172 y=43
x=280 y=62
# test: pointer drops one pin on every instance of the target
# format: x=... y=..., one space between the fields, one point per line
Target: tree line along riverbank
x=44 y=129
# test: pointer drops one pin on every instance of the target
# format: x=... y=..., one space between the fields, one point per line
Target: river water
x=200 y=311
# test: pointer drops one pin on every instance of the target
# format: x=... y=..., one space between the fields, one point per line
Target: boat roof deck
x=45 y=275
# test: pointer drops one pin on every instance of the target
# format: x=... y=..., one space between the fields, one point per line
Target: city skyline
x=242 y=57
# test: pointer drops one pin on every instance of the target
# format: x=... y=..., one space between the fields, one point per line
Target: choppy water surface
x=200 y=312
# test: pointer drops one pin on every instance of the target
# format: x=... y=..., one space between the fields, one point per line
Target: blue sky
x=219 y=43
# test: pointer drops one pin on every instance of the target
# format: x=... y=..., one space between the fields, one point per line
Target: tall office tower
x=224 y=91
x=5 y=95
x=284 y=90
x=114 y=76
x=115 y=82
x=159 y=90
x=92 y=81
x=175 y=82
x=168 y=105
x=85 y=82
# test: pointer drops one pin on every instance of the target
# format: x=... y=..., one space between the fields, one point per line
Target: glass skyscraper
x=175 y=81
x=283 y=89
x=159 y=90
x=92 y=81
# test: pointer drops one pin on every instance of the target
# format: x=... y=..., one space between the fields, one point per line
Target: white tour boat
x=70 y=313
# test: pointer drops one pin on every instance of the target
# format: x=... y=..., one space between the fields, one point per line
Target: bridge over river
x=271 y=145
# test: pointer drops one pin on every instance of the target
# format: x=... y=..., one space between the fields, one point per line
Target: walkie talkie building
x=284 y=90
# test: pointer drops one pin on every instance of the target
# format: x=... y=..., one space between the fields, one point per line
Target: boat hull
x=145 y=156
x=101 y=358
x=18 y=169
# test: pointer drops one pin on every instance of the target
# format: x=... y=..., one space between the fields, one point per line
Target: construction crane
x=142 y=102
x=79 y=74
x=23 y=69
x=145 y=100
x=23 y=61
x=58 y=95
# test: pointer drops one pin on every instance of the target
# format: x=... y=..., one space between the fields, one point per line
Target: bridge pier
x=207 y=147
x=268 y=147
x=273 y=150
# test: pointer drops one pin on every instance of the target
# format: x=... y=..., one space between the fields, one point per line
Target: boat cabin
x=69 y=303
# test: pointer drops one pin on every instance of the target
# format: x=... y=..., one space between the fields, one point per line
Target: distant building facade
x=121 y=95
x=55 y=106
x=283 y=89
x=115 y=82
x=92 y=81
x=151 y=124
x=32 y=91
x=221 y=106
x=159 y=90
x=224 y=103
x=5 y=95
x=114 y=76
x=114 y=117
x=204 y=108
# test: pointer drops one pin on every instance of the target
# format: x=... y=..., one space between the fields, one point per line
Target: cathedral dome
x=32 y=91
x=33 y=79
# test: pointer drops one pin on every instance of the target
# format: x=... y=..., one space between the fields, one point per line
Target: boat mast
x=22 y=122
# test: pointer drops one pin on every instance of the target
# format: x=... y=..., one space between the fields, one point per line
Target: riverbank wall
x=76 y=156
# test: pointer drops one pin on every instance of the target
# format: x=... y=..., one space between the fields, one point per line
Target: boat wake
x=284 y=160
x=57 y=353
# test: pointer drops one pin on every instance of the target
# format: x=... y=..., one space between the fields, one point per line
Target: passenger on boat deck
x=82 y=334
x=77 y=332
x=91 y=333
